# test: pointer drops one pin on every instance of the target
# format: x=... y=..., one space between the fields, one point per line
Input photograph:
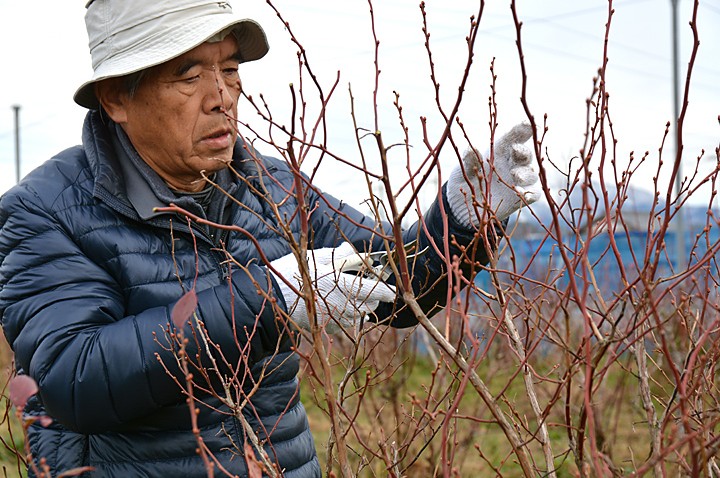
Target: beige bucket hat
x=126 y=36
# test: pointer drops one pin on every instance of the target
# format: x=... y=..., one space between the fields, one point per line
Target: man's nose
x=217 y=97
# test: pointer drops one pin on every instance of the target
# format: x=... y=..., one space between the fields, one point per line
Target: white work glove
x=341 y=299
x=511 y=179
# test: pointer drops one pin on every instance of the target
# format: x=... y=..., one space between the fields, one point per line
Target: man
x=91 y=266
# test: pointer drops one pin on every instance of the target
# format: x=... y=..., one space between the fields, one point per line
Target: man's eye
x=230 y=71
x=191 y=79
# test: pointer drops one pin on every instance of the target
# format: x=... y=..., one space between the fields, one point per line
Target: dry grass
x=11 y=434
x=391 y=407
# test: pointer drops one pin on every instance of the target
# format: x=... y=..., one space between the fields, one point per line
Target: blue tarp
x=539 y=259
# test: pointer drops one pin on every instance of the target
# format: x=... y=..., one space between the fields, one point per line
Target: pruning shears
x=365 y=263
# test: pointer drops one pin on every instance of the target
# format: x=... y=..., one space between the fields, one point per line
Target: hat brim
x=252 y=44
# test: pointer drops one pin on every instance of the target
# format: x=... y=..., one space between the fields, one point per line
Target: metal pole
x=16 y=108
x=679 y=219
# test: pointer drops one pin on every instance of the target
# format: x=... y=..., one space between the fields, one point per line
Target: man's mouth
x=220 y=139
x=218 y=133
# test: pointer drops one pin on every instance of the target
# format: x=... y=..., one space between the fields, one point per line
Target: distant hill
x=636 y=206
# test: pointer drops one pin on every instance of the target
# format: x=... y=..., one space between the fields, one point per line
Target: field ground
x=390 y=406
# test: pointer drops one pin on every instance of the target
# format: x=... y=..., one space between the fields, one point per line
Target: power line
x=30 y=125
x=552 y=20
x=710 y=7
x=625 y=46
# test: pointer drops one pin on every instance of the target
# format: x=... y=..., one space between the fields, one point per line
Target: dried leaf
x=253 y=465
x=184 y=309
x=20 y=389
x=76 y=471
x=44 y=420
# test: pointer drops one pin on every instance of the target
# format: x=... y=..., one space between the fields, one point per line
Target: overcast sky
x=45 y=59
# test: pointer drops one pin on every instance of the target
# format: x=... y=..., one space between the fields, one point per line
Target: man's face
x=181 y=118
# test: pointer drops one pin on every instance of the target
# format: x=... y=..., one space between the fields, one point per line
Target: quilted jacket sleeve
x=64 y=317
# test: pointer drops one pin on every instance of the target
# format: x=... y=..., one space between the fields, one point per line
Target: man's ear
x=112 y=97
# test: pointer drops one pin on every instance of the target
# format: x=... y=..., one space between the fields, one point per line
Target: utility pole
x=16 y=108
x=679 y=219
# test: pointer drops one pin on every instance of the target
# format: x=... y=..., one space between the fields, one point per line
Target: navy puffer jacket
x=87 y=286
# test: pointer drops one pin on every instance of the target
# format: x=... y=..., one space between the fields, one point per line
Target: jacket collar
x=119 y=171
x=143 y=191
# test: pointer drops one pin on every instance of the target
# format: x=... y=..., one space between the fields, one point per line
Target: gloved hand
x=511 y=179
x=341 y=299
